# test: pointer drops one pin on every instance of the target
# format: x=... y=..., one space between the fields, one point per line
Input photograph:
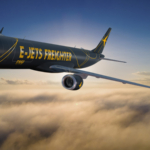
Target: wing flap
x=85 y=74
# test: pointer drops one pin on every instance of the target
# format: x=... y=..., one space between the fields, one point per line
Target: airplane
x=18 y=53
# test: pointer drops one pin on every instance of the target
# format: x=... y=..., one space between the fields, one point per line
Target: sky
x=83 y=24
x=37 y=113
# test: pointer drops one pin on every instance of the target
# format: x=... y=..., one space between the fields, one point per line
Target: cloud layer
x=144 y=73
x=25 y=82
x=88 y=119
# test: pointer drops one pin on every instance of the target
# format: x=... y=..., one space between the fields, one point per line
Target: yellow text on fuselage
x=37 y=53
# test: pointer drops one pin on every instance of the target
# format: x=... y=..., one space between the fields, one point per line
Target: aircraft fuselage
x=25 y=54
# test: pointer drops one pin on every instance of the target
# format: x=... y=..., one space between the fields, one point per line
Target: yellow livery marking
x=49 y=55
x=10 y=51
x=85 y=61
x=20 y=62
x=21 y=52
x=37 y=53
x=45 y=54
x=88 y=55
x=52 y=58
x=36 y=49
x=29 y=53
x=105 y=39
x=57 y=55
x=32 y=53
x=100 y=48
x=75 y=57
x=104 y=42
x=40 y=52
x=80 y=84
x=14 y=46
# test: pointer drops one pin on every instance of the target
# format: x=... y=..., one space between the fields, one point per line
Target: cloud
x=138 y=113
x=16 y=82
x=144 y=73
x=85 y=119
x=25 y=82
x=143 y=79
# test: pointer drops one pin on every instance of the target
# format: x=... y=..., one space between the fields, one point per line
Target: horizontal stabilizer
x=113 y=60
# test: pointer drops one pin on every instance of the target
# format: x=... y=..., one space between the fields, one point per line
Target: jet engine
x=72 y=82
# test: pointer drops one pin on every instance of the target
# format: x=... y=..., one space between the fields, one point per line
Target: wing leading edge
x=84 y=74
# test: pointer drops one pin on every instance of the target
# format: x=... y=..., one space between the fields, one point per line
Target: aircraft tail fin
x=102 y=43
x=1 y=30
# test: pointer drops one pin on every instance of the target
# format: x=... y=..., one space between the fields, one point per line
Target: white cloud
x=87 y=119
x=143 y=73
x=25 y=82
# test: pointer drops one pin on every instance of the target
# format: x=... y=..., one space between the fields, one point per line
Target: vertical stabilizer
x=1 y=30
x=102 y=43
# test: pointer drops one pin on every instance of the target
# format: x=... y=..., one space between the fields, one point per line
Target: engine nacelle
x=72 y=82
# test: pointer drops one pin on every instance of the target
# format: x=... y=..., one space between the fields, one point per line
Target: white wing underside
x=84 y=75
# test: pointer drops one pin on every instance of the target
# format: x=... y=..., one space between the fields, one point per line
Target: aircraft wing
x=84 y=74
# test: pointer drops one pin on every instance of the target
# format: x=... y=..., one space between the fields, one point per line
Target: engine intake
x=72 y=82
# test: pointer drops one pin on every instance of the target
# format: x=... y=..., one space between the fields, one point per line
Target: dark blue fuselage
x=25 y=54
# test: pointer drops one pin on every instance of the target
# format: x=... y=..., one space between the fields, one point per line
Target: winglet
x=1 y=30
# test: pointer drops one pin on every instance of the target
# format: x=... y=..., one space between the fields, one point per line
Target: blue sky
x=82 y=24
x=123 y=15
x=36 y=112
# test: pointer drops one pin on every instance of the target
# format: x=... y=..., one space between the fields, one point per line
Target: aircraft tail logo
x=101 y=45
